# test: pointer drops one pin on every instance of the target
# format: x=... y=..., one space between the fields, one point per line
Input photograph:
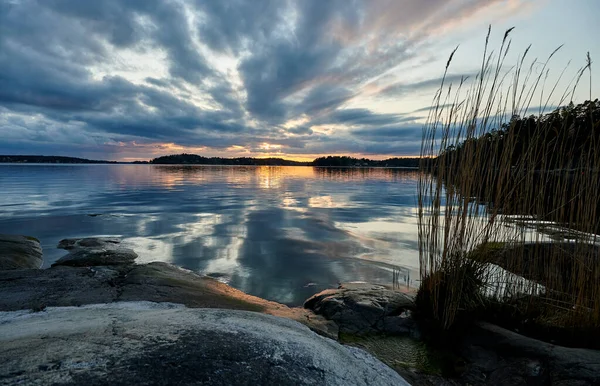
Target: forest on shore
x=329 y=161
x=193 y=159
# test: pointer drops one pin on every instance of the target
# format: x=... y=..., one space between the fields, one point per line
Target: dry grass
x=490 y=167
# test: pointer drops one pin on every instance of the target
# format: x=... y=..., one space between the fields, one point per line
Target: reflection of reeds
x=400 y=278
x=396 y=276
x=489 y=164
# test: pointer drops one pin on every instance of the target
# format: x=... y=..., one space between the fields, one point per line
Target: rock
x=360 y=308
x=157 y=282
x=58 y=286
x=90 y=242
x=19 y=252
x=95 y=251
x=513 y=359
x=92 y=257
x=135 y=343
x=162 y=282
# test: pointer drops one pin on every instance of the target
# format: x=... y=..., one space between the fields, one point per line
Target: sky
x=136 y=79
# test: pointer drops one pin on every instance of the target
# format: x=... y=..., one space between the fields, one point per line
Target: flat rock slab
x=142 y=343
x=93 y=257
x=19 y=252
x=360 y=308
x=58 y=286
x=35 y=289
x=95 y=251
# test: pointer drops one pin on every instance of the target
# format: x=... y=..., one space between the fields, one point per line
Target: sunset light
x=300 y=192
x=232 y=81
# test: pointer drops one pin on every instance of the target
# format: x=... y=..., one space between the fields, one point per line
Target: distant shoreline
x=50 y=159
x=193 y=159
x=205 y=165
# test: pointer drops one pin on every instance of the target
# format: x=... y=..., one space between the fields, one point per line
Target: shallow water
x=281 y=233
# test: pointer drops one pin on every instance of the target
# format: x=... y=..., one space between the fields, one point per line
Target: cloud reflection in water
x=268 y=231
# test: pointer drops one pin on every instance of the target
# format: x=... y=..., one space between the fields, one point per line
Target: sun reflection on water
x=268 y=231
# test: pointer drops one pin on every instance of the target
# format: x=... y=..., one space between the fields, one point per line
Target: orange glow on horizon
x=146 y=152
x=289 y=157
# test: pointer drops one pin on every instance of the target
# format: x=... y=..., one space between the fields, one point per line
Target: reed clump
x=495 y=177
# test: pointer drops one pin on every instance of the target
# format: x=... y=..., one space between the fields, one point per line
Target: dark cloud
x=433 y=107
x=233 y=26
x=120 y=23
x=300 y=130
x=396 y=133
x=401 y=88
x=367 y=117
x=157 y=82
x=233 y=73
x=281 y=70
x=326 y=97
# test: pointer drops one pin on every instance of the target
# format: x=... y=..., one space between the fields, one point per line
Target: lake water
x=281 y=233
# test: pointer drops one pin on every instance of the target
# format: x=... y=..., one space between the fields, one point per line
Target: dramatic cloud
x=133 y=79
x=401 y=88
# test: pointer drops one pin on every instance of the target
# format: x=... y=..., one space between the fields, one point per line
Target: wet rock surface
x=19 y=252
x=95 y=251
x=141 y=343
x=361 y=308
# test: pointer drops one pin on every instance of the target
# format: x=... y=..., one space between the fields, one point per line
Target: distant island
x=193 y=159
x=329 y=161
x=344 y=161
x=49 y=159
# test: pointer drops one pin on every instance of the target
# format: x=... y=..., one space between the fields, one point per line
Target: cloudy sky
x=124 y=80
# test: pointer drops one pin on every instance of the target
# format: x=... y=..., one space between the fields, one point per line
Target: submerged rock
x=19 y=252
x=95 y=251
x=361 y=308
x=145 y=343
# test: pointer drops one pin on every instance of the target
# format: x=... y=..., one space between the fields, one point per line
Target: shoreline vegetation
x=498 y=177
x=193 y=159
x=51 y=159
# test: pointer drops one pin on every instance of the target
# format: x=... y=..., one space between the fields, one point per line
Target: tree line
x=43 y=159
x=566 y=138
x=329 y=161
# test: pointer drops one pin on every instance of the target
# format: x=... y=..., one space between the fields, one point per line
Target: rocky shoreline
x=97 y=293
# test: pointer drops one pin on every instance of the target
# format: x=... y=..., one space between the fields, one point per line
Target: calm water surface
x=281 y=233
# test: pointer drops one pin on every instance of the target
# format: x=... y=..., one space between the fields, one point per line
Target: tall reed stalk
x=489 y=173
